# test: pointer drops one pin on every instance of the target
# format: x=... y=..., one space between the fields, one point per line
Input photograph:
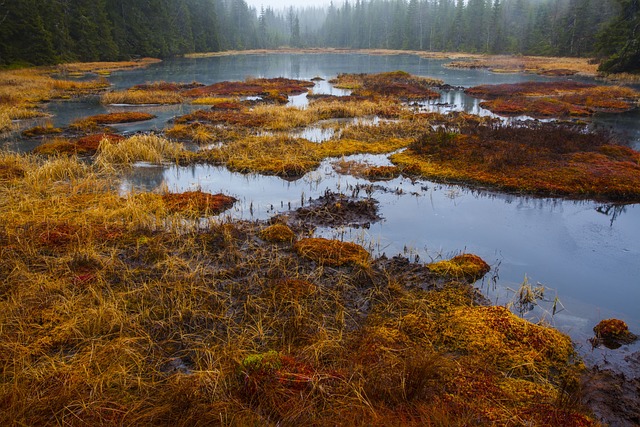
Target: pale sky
x=279 y=4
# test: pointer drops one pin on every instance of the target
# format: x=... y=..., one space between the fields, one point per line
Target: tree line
x=49 y=31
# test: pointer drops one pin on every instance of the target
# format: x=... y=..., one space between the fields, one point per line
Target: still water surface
x=585 y=253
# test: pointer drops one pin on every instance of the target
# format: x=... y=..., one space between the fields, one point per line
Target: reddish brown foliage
x=526 y=89
x=229 y=117
x=254 y=87
x=397 y=84
x=545 y=159
x=112 y=118
x=197 y=202
x=90 y=143
x=535 y=107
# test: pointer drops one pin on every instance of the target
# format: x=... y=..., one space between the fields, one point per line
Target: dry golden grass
x=117 y=311
x=103 y=67
x=138 y=148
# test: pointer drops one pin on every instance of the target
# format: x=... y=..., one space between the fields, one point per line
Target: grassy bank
x=150 y=309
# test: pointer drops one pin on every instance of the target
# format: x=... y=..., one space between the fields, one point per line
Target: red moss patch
x=228 y=117
x=508 y=90
x=197 y=202
x=554 y=99
x=535 y=107
x=466 y=266
x=91 y=143
x=58 y=235
x=397 y=84
x=93 y=122
x=253 y=87
x=332 y=252
x=545 y=159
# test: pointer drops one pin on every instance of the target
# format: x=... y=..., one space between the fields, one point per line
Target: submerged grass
x=117 y=310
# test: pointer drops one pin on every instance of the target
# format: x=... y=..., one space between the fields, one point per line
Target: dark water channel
x=587 y=254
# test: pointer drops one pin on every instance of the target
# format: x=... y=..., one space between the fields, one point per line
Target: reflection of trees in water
x=145 y=178
x=613 y=211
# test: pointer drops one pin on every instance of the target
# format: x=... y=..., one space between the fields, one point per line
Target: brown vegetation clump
x=92 y=122
x=278 y=233
x=252 y=87
x=86 y=145
x=529 y=64
x=332 y=252
x=546 y=159
x=397 y=84
x=46 y=130
x=116 y=312
x=466 y=266
x=613 y=333
x=554 y=99
x=197 y=202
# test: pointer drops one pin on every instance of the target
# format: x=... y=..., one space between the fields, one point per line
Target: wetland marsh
x=290 y=158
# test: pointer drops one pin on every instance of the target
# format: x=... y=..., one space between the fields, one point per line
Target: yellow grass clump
x=466 y=266
x=139 y=148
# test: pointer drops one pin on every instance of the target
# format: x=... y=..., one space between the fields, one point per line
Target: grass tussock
x=47 y=129
x=117 y=311
x=138 y=148
x=86 y=145
x=545 y=159
x=332 y=252
x=465 y=266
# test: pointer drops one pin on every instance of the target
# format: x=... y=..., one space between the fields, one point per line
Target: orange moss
x=527 y=89
x=197 y=202
x=91 y=143
x=332 y=252
x=613 y=333
x=542 y=159
x=382 y=172
x=277 y=233
x=466 y=266
x=397 y=84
